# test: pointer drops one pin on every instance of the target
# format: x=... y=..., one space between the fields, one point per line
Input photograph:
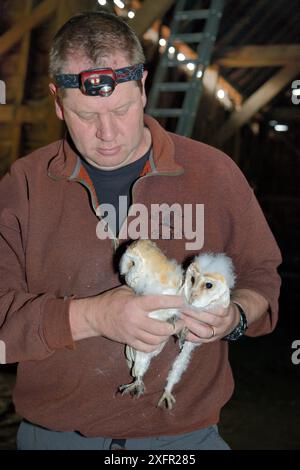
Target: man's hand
x=122 y=316
x=207 y=326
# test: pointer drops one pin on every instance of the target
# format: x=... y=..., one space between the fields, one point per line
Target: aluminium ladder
x=192 y=89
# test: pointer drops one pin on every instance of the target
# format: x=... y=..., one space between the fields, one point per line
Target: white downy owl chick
x=208 y=282
x=148 y=271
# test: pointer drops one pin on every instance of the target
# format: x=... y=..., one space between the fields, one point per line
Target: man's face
x=107 y=131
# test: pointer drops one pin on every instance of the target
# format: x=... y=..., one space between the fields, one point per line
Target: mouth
x=108 y=151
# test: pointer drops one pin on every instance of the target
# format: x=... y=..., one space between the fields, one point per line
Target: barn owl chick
x=208 y=282
x=148 y=271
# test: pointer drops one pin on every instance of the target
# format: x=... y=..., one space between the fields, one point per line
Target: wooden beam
x=148 y=13
x=241 y=25
x=261 y=56
x=256 y=101
x=65 y=10
x=11 y=114
x=28 y=22
x=19 y=93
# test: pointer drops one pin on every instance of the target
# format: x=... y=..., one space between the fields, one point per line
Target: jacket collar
x=66 y=163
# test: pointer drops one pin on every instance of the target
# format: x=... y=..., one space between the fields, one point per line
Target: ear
x=144 y=97
x=58 y=104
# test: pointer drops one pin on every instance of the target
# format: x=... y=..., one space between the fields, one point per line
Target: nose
x=106 y=128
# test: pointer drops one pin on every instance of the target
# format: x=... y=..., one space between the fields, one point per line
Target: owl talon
x=167 y=399
x=172 y=320
x=136 y=388
x=182 y=337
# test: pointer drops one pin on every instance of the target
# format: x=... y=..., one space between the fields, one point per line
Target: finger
x=195 y=312
x=150 y=339
x=162 y=328
x=202 y=330
x=144 y=347
x=193 y=338
x=205 y=317
x=156 y=302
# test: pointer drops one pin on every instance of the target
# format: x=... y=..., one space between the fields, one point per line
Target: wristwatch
x=240 y=329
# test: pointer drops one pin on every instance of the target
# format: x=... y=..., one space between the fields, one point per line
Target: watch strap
x=240 y=329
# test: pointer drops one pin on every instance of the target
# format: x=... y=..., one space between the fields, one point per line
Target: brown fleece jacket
x=49 y=252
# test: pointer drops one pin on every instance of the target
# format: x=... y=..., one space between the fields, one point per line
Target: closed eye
x=121 y=111
x=87 y=117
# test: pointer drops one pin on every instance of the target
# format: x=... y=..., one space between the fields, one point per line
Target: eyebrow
x=90 y=113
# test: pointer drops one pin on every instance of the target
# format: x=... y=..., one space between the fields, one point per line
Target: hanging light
x=180 y=57
x=221 y=94
x=102 y=2
x=131 y=14
x=190 y=66
x=281 y=127
x=119 y=4
x=162 y=42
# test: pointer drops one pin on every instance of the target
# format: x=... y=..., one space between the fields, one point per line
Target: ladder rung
x=173 y=86
x=187 y=37
x=192 y=15
x=165 y=112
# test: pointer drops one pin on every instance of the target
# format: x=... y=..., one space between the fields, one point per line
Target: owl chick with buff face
x=148 y=271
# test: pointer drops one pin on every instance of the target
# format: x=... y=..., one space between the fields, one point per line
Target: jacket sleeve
x=255 y=253
x=32 y=325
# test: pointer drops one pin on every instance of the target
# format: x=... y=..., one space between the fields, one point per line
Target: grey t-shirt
x=110 y=185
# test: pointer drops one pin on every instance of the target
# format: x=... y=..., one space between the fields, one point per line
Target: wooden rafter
x=65 y=9
x=261 y=56
x=148 y=13
x=257 y=100
x=19 y=92
x=22 y=114
x=28 y=22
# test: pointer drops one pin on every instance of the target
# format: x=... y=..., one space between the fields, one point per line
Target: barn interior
x=228 y=74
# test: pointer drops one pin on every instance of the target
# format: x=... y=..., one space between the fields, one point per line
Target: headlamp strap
x=126 y=74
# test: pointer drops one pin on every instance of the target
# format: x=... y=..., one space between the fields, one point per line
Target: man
x=65 y=317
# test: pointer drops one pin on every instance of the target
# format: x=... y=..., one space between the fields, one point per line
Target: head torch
x=99 y=81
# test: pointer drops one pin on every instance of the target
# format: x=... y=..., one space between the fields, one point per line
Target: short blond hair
x=97 y=36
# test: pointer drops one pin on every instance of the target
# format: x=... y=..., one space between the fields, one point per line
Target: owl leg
x=140 y=367
x=136 y=388
x=182 y=337
x=173 y=319
x=179 y=366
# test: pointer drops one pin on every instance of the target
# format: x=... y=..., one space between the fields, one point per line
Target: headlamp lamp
x=99 y=81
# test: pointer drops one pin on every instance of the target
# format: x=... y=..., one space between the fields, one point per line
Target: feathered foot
x=167 y=399
x=173 y=319
x=136 y=388
x=182 y=337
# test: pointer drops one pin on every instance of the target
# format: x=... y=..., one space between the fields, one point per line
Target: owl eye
x=192 y=280
x=208 y=285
